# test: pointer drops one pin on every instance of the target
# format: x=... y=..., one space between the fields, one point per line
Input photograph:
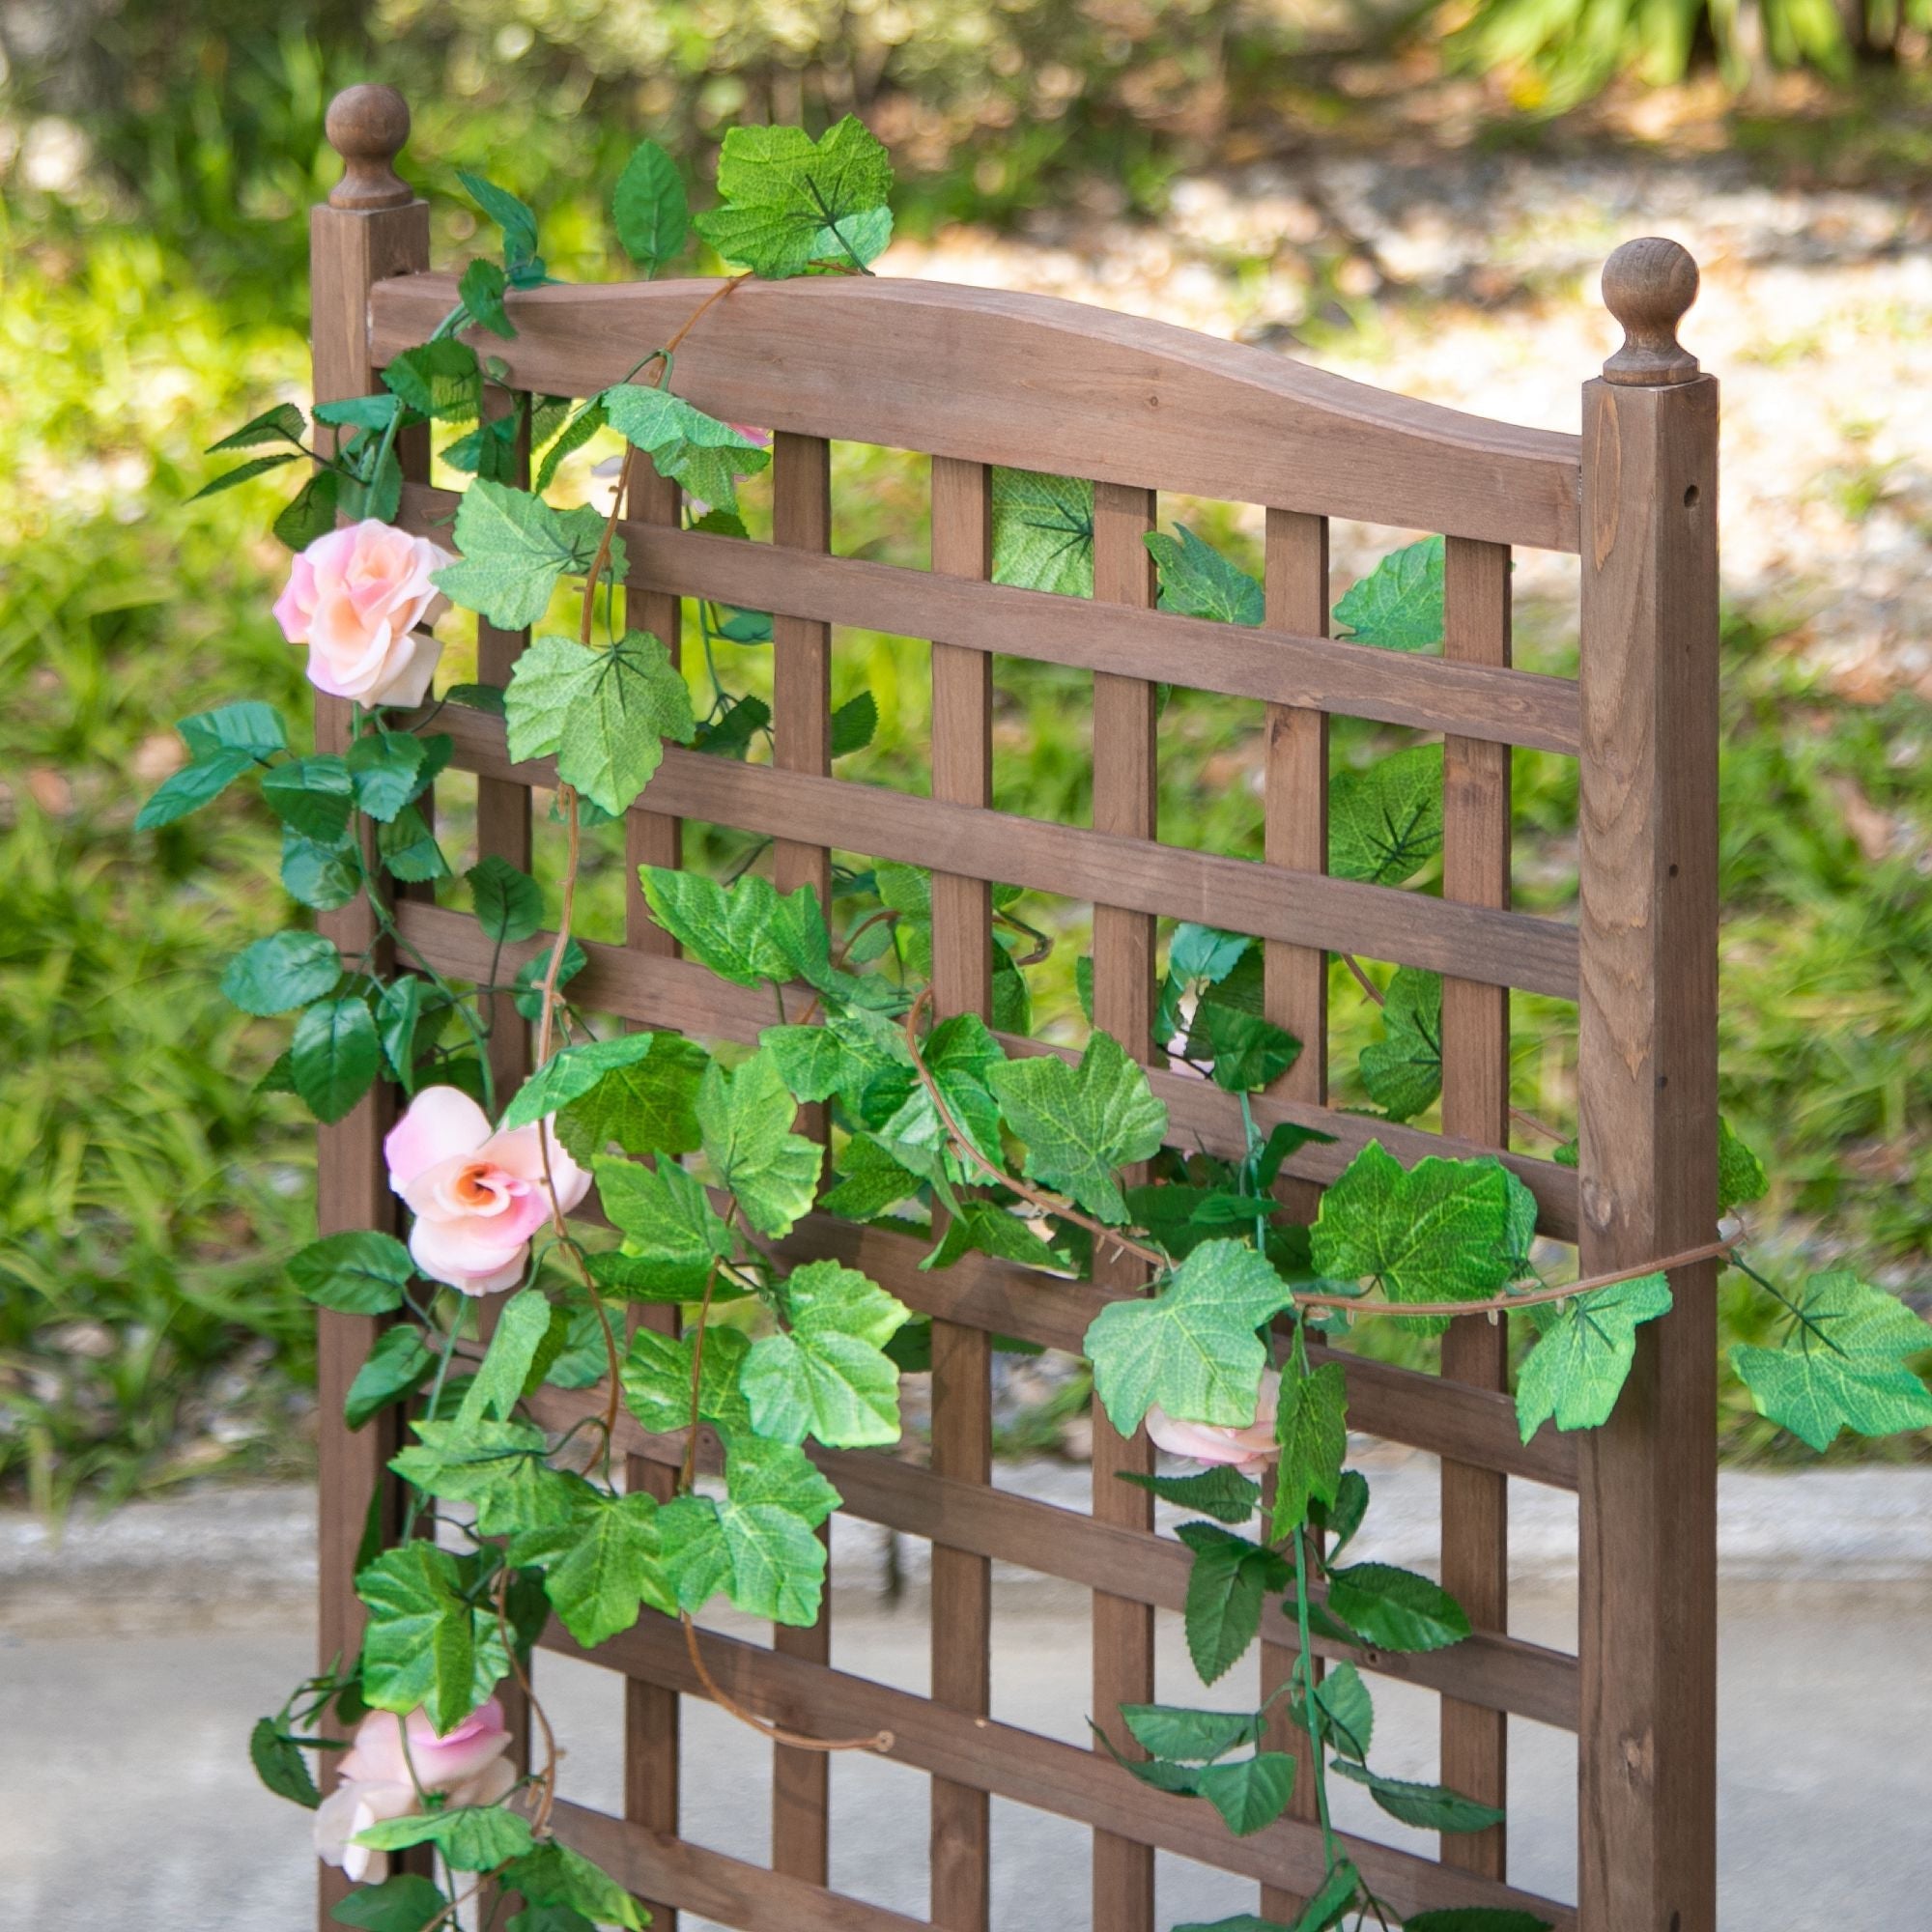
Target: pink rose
x=477 y=1196
x=1248 y=1450
x=355 y=597
x=374 y=1779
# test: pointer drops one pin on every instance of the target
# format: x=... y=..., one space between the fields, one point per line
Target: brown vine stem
x=879 y=1740
x=1037 y=1197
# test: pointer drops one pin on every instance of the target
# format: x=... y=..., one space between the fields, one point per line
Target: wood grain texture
x=349 y=251
x=1018 y=1764
x=1074 y=862
x=1126 y=785
x=1475 y=1106
x=962 y=1401
x=1039 y=383
x=1648 y=1107
x=1276 y=664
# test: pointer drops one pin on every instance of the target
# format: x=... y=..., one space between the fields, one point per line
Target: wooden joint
x=367 y=125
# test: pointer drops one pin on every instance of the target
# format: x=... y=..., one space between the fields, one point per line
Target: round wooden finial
x=367 y=126
x=1647 y=286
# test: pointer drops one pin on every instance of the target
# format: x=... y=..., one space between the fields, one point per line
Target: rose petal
x=441 y=1122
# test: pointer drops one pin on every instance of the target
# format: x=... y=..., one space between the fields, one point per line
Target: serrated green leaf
x=244 y=472
x=1741 y=1175
x=1081 y=1124
x=698 y=451
x=404 y=1902
x=1475 y=1918
x=827 y=1375
x=1251 y=1793
x=853 y=723
x=368 y=412
x=1224 y=1493
x=477 y=1837
x=1245 y=1051
x=335 y=1056
x=1192 y=1349
x=1385 y=821
x=284 y=423
x=1440 y=1231
x=871 y=1180
x=481 y=291
x=530 y=976
x=656 y=1378
x=280 y=1765
x=1190 y=1736
x=191 y=787
x=248 y=725
x=649 y=208
x=1843 y=1365
x=571 y=1074
x=398 y=1365
x=984 y=1228
x=745 y=1120
x=1403 y=1071
x=282 y=972
x=963 y=1058
x=425 y=1645
x=1227 y=1584
x=671 y=1233
x=509 y=903
x=503 y=1376
x=313 y=796
x=325 y=877
x=311 y=512
x=408 y=848
x=1197 y=581
x=647 y=1107
x=1345 y=1712
x=1577 y=1367
x=358 y=1272
x=1043 y=532
x=518 y=223
x=1311 y=1426
x=1428 y=1807
x=1340 y=1519
x=515 y=547
x=1399 y=605
x=387 y=771
x=553 y=1874
x=573 y=436
x=1396 y=1609
x=735 y=931
x=790 y=201
x=1204 y=952
x=499 y=1466
x=442 y=380
x=599 y=1564
x=728 y=733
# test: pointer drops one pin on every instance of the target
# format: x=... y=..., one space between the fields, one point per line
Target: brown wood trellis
x=977 y=378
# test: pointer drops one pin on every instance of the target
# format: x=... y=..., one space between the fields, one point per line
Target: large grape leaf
x=1311 y=1426
x=1577 y=1369
x=745 y=1119
x=672 y=1234
x=1399 y=604
x=790 y=201
x=1385 y=821
x=826 y=1375
x=703 y=454
x=1043 y=532
x=1198 y=582
x=515 y=547
x=1403 y=1071
x=646 y=1107
x=600 y=1565
x=425 y=1642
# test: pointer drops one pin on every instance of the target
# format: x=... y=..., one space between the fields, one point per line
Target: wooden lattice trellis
x=976 y=379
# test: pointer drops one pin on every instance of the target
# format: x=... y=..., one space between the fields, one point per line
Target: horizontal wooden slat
x=1038 y=383
x=1021 y=1765
x=691 y=1878
x=680 y=996
x=1241 y=896
x=1506 y=706
x=1500 y=1672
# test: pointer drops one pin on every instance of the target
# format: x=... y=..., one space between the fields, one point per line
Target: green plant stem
x=1305 y=1665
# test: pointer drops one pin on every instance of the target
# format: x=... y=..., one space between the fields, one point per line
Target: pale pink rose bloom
x=355 y=597
x=467 y=1765
x=1248 y=1450
x=477 y=1196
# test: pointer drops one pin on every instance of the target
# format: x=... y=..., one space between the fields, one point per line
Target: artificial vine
x=696 y=1165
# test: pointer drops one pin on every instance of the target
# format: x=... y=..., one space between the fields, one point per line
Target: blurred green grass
x=147 y=1193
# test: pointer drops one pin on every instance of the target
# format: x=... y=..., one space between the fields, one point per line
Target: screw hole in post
x=1690 y=497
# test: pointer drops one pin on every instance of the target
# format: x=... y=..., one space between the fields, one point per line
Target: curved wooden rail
x=1035 y=382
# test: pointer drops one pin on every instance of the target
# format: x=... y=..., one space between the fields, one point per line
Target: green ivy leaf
x=1311 y=1426
x=358 y=1272
x=1189 y=1736
x=1198 y=582
x=656 y=1379
x=335 y=1056
x=1227 y=1582
x=571 y=1074
x=964 y=1061
x=481 y=291
x=826 y=1376
x=649 y=1106
x=1403 y=1071
x=1082 y=1123
x=735 y=931
x=1429 y=1807
x=871 y=1180
x=1224 y=1494
x=1385 y=821
x=502 y=1467
x=1396 y=1609
x=1399 y=605
x=1741 y=1175
x=1191 y=1349
x=398 y=1365
x=387 y=771
x=745 y=1119
x=1440 y=1231
x=600 y=1565
x=280 y=1765
x=605 y=714
x=440 y=380
x=1043 y=532
x=1577 y=1369
x=790 y=201
x=1247 y=1052
x=671 y=1233
x=282 y=972
x=515 y=547
x=312 y=796
x=649 y=208
x=504 y=1376
x=425 y=1645
x=1251 y=1793
x=475 y=1837
x=404 y=1902
x=1843 y=1365
x=553 y=1874
x=703 y=454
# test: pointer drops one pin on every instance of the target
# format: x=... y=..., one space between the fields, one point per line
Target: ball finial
x=1647 y=286
x=367 y=126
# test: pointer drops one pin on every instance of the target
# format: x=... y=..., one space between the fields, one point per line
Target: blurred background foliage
x=155 y=166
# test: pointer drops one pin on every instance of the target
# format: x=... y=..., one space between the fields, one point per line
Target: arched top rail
x=1035 y=382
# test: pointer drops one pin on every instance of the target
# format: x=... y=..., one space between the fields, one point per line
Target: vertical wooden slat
x=651 y=1722
x=1647 y=1101
x=1475 y=1105
x=372 y=228
x=1294 y=986
x=1124 y=781
x=802 y=742
x=962 y=1414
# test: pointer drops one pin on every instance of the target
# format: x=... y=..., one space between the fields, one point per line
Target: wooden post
x=1648 y=1105
x=372 y=227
